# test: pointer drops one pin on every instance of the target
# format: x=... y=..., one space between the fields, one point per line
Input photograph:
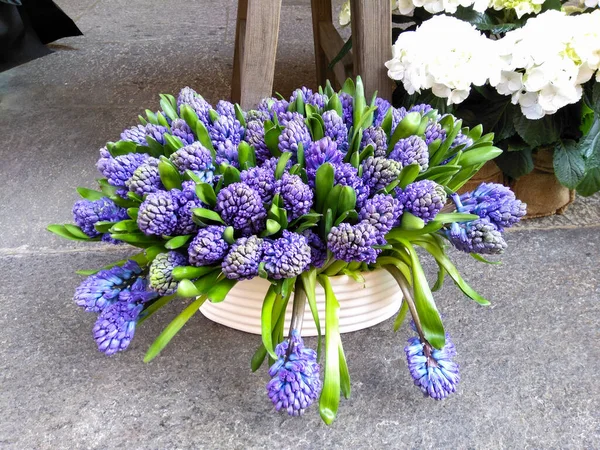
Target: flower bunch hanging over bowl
x=294 y=192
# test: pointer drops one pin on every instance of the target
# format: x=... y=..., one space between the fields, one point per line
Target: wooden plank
x=331 y=44
x=321 y=12
x=260 y=48
x=372 y=44
x=238 y=54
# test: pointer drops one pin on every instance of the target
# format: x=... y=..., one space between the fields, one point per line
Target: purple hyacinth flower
x=422 y=108
x=241 y=207
x=120 y=169
x=461 y=140
x=336 y=129
x=293 y=134
x=86 y=213
x=135 y=134
x=354 y=242
x=397 y=115
x=226 y=128
x=145 y=179
x=157 y=132
x=411 y=150
x=286 y=257
x=378 y=172
x=194 y=157
x=262 y=180
x=255 y=136
x=115 y=327
x=493 y=201
x=304 y=91
x=273 y=106
x=187 y=96
x=182 y=130
x=295 y=383
x=434 y=131
x=157 y=214
x=347 y=175
x=376 y=137
x=382 y=108
x=286 y=117
x=225 y=108
x=102 y=289
x=208 y=247
x=381 y=211
x=226 y=153
x=433 y=370
x=160 y=273
x=479 y=236
x=139 y=292
x=423 y=199
x=241 y=263
x=347 y=108
x=185 y=218
x=318 y=101
x=318 y=249
x=318 y=153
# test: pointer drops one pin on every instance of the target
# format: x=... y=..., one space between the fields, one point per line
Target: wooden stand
x=256 y=46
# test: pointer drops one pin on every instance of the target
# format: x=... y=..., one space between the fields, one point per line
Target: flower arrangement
x=295 y=192
x=526 y=70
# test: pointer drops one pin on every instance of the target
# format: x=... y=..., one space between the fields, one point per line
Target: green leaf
x=239 y=115
x=335 y=104
x=228 y=235
x=347 y=200
x=266 y=318
x=154 y=148
x=122 y=148
x=360 y=103
x=538 y=132
x=133 y=213
x=408 y=174
x=590 y=184
x=349 y=87
x=124 y=226
x=103 y=226
x=191 y=272
x=177 y=242
x=481 y=259
x=169 y=175
x=309 y=280
x=401 y=315
x=387 y=122
x=76 y=231
x=433 y=329
x=230 y=175
x=172 y=329
x=207 y=214
x=162 y=120
x=258 y=358
x=411 y=222
x=155 y=306
x=455 y=217
x=90 y=194
x=272 y=141
x=166 y=103
x=408 y=126
x=323 y=184
x=272 y=228
x=281 y=163
x=568 y=162
x=218 y=292
x=187 y=289
x=515 y=164
x=246 y=156
x=330 y=394
x=136 y=239
x=206 y=194
x=61 y=231
x=479 y=156
x=344 y=373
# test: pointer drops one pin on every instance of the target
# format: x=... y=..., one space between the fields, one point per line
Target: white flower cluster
x=446 y=55
x=541 y=65
x=521 y=7
x=437 y=6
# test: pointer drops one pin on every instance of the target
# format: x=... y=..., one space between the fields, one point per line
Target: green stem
x=298 y=309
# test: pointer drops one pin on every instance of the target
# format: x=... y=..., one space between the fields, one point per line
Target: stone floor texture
x=529 y=363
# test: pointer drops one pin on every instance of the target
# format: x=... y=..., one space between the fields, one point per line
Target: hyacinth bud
x=411 y=150
x=347 y=108
x=319 y=152
x=241 y=263
x=262 y=180
x=86 y=213
x=397 y=115
x=156 y=132
x=378 y=172
x=161 y=272
x=241 y=207
x=286 y=257
x=434 y=131
x=157 y=214
x=335 y=129
x=208 y=247
x=295 y=383
x=297 y=196
x=182 y=130
x=433 y=370
x=347 y=175
x=187 y=96
x=145 y=179
x=479 y=236
x=422 y=108
x=273 y=106
x=318 y=249
x=294 y=133
x=354 y=242
x=255 y=136
x=194 y=157
x=376 y=137
x=382 y=108
x=423 y=199
x=226 y=128
x=136 y=134
x=225 y=108
x=115 y=327
x=120 y=169
x=305 y=92
x=381 y=211
x=317 y=100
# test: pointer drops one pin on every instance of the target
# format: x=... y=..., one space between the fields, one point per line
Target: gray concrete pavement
x=529 y=363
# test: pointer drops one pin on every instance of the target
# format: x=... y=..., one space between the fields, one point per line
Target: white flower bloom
x=592 y=3
x=521 y=7
x=446 y=55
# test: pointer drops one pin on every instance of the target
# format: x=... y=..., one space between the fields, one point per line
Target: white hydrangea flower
x=521 y=7
x=438 y=6
x=547 y=61
x=592 y=3
x=446 y=55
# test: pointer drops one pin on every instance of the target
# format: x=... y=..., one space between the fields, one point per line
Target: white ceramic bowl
x=362 y=305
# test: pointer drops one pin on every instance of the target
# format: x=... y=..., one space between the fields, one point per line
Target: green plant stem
x=298 y=308
x=405 y=288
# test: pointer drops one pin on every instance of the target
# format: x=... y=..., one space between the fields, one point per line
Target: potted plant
x=526 y=71
x=325 y=193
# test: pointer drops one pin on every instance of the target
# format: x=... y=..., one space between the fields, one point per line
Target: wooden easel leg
x=372 y=44
x=259 y=51
x=321 y=12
